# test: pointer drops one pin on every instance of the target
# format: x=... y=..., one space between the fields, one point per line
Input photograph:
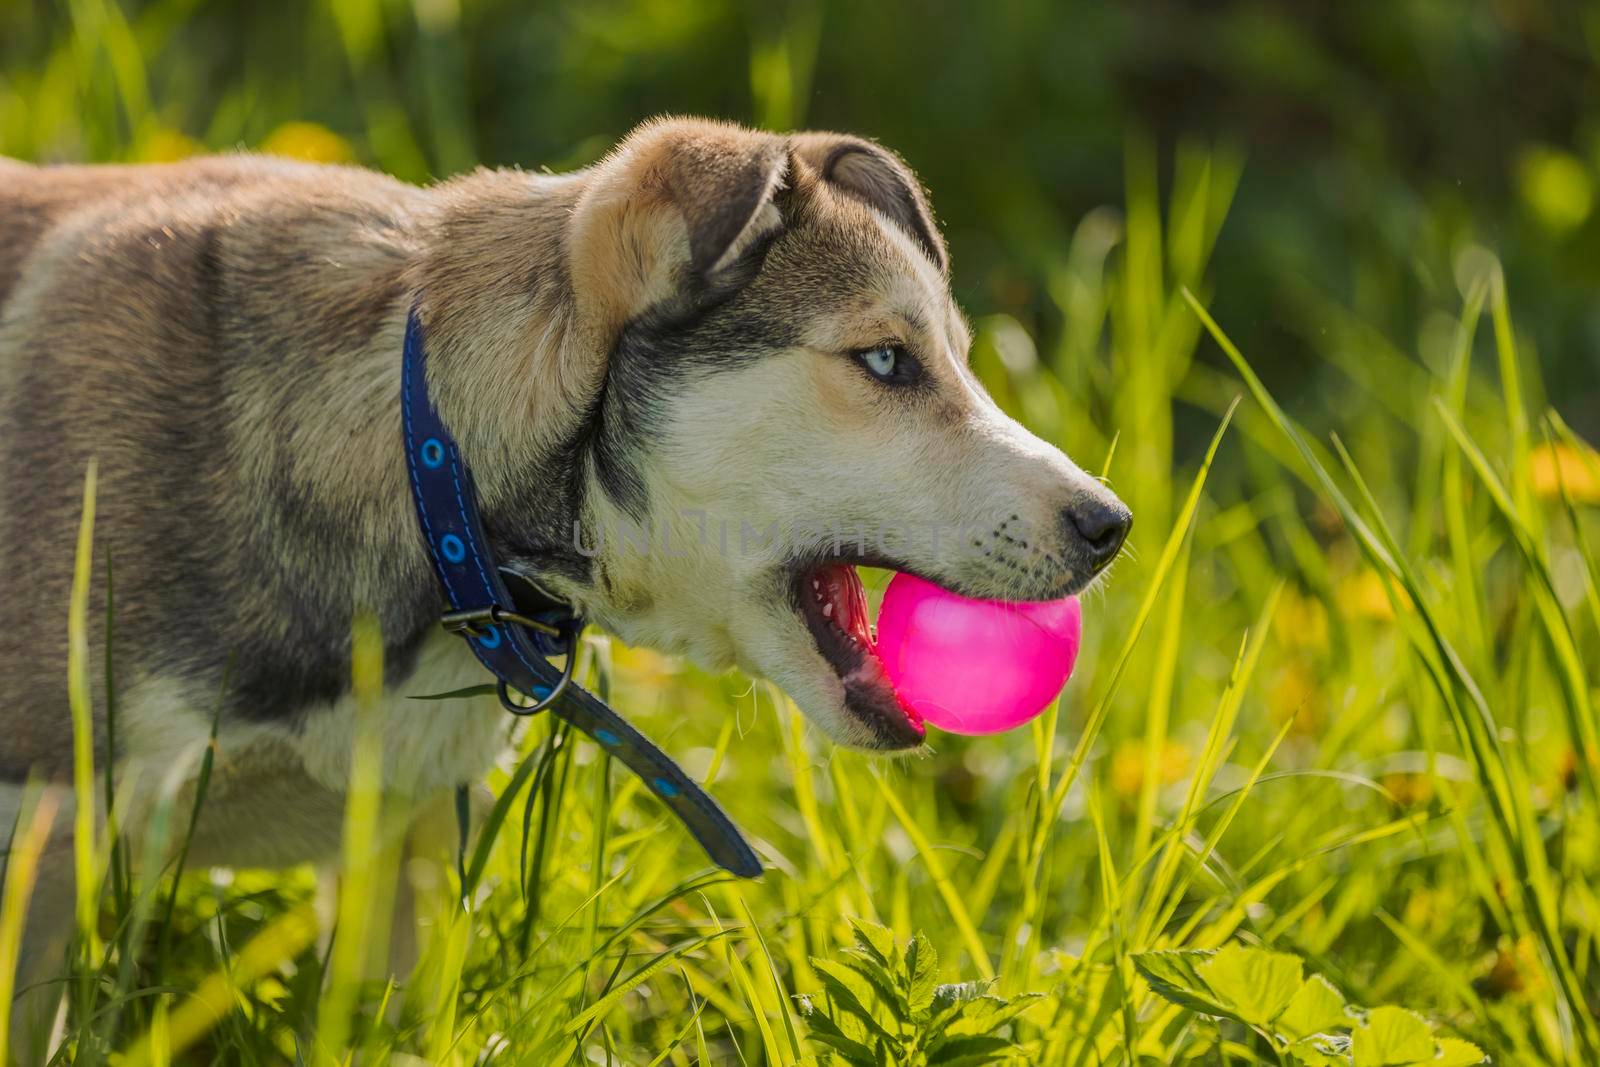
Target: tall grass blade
x=217 y=997
x=27 y=840
x=1477 y=728
x=85 y=862
x=201 y=787
x=779 y=996
x=1164 y=566
x=1548 y=602
x=947 y=890
x=1591 y=464
x=359 y=916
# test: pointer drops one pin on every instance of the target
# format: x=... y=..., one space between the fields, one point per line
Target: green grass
x=1340 y=706
x=1337 y=702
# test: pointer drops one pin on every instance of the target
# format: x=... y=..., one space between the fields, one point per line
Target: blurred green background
x=1340 y=183
x=1380 y=141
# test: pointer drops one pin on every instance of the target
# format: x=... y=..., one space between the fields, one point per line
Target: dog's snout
x=1100 y=525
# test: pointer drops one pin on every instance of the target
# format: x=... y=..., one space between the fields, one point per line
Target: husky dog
x=718 y=336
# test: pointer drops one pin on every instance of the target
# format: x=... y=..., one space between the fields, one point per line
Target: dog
x=660 y=369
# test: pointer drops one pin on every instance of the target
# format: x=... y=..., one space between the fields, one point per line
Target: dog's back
x=34 y=199
x=148 y=317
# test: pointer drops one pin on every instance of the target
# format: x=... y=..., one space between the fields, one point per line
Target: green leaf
x=824 y=1031
x=876 y=941
x=969 y=1051
x=1322 y=1050
x=867 y=962
x=637 y=978
x=883 y=984
x=952 y=992
x=1172 y=974
x=949 y=1001
x=852 y=993
x=985 y=1015
x=922 y=965
x=1316 y=1007
x=1453 y=1052
x=1256 y=982
x=1194 y=1042
x=461 y=694
x=1391 y=1036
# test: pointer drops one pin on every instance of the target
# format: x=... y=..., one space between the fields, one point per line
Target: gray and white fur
x=672 y=333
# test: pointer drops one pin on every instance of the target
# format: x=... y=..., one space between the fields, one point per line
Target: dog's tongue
x=842 y=589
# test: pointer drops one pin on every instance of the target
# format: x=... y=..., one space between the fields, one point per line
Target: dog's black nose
x=1102 y=525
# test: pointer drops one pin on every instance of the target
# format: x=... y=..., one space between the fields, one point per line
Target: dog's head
x=787 y=395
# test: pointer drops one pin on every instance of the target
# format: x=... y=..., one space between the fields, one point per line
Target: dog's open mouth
x=833 y=603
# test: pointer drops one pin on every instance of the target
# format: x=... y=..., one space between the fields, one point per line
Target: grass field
x=1337 y=702
x=1335 y=717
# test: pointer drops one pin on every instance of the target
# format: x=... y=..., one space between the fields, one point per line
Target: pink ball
x=975 y=666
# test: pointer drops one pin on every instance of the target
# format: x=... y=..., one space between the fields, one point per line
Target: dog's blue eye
x=888 y=363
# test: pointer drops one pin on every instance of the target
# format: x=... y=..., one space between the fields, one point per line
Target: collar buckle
x=474 y=622
x=515 y=643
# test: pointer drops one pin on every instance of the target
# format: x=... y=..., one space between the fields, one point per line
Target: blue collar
x=512 y=637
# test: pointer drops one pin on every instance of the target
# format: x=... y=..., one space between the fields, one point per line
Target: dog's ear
x=878 y=178
x=670 y=214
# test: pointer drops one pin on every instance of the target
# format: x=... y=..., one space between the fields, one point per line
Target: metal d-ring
x=549 y=698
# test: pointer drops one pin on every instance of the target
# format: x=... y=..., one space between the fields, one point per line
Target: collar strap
x=511 y=636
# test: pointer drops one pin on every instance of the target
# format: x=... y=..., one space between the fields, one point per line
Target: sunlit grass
x=1040 y=866
x=1339 y=701
x=34 y=818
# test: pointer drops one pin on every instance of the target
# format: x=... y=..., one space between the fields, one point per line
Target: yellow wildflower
x=1127 y=766
x=1549 y=466
x=1362 y=596
x=168 y=146
x=308 y=141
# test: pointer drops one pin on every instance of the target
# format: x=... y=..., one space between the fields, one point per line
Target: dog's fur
x=664 y=336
